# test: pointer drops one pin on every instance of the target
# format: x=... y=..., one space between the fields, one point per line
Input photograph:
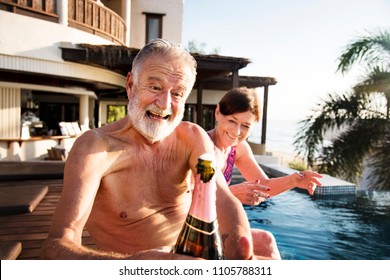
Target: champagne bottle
x=199 y=236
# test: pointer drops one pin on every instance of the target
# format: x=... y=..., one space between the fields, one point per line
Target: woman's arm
x=251 y=171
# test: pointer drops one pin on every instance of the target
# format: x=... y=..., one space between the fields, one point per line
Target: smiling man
x=130 y=182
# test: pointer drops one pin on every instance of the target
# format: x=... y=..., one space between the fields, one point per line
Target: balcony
x=89 y=16
x=45 y=10
x=85 y=15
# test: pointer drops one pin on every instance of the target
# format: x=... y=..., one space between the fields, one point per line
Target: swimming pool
x=328 y=228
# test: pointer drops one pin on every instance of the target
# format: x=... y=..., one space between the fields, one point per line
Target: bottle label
x=199 y=239
x=202 y=226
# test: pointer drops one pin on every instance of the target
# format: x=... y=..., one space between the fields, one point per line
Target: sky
x=297 y=42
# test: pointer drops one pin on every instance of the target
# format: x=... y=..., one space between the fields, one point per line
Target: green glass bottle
x=199 y=236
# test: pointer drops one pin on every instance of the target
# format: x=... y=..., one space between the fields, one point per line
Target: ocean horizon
x=279 y=135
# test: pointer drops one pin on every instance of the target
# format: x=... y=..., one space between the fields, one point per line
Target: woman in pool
x=235 y=114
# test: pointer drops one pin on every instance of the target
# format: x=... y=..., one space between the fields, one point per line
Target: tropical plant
x=349 y=133
x=193 y=47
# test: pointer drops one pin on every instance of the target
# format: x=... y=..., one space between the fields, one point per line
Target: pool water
x=352 y=227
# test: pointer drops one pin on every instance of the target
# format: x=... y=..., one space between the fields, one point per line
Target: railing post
x=62 y=11
x=126 y=15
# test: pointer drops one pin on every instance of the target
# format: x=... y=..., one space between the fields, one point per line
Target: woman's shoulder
x=243 y=149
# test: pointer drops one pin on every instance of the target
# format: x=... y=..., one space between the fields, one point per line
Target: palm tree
x=359 y=119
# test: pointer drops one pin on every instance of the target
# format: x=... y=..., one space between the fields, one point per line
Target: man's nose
x=164 y=100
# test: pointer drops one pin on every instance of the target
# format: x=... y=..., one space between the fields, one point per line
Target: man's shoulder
x=89 y=140
x=191 y=131
x=107 y=132
x=189 y=126
x=192 y=134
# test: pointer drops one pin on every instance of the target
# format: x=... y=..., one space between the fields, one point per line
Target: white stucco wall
x=32 y=150
x=172 y=21
x=209 y=97
x=29 y=37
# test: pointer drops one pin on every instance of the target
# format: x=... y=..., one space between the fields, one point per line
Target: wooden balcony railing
x=89 y=16
x=42 y=9
x=86 y=15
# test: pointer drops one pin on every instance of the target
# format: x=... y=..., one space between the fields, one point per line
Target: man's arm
x=233 y=223
x=84 y=169
x=85 y=166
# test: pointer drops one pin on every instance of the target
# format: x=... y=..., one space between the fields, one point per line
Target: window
x=153 y=26
x=190 y=113
x=115 y=112
x=208 y=116
x=53 y=113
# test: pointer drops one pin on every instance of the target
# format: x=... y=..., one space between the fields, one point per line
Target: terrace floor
x=31 y=229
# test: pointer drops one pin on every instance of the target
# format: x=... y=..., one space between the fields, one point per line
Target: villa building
x=63 y=67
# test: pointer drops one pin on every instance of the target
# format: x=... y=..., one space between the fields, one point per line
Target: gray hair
x=165 y=48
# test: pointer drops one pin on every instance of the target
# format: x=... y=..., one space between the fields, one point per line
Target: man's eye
x=177 y=94
x=154 y=88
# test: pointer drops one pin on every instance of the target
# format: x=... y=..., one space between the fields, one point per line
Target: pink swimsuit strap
x=228 y=172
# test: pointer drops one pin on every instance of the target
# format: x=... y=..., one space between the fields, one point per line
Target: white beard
x=151 y=130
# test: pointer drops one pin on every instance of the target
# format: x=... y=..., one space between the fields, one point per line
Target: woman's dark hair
x=240 y=100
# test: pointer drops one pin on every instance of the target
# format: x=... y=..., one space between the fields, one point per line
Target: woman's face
x=232 y=129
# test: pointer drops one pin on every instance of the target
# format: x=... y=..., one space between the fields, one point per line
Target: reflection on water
x=331 y=228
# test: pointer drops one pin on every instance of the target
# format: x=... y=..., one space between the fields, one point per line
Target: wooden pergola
x=215 y=72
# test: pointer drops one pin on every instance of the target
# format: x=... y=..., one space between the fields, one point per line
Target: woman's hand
x=250 y=193
x=307 y=180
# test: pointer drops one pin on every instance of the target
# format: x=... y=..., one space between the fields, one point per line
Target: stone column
x=84 y=111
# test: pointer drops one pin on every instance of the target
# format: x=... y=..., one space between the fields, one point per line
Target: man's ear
x=129 y=84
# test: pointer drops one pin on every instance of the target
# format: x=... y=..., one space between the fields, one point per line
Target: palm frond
x=376 y=79
x=369 y=49
x=377 y=82
x=379 y=163
x=335 y=112
x=358 y=121
x=345 y=155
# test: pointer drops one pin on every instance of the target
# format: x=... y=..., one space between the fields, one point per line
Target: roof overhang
x=73 y=91
x=214 y=71
x=60 y=74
